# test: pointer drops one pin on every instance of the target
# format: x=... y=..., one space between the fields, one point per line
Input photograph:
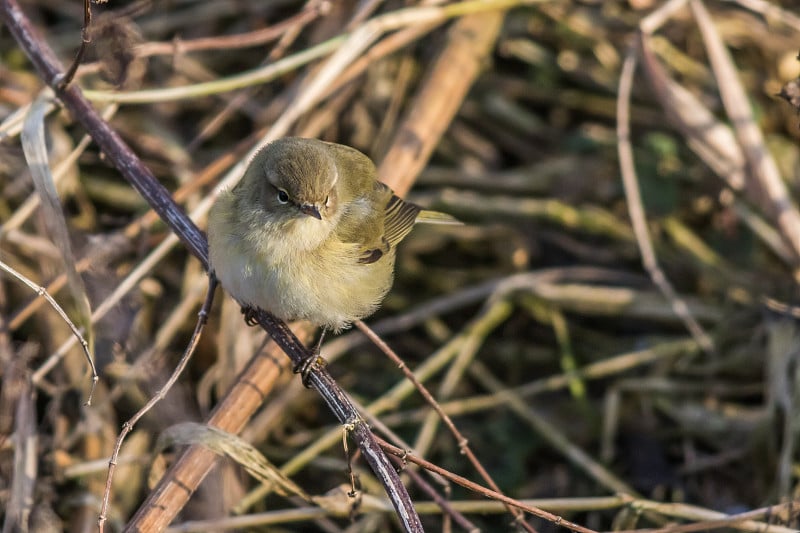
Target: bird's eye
x=283 y=196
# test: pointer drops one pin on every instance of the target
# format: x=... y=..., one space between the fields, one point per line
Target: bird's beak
x=311 y=210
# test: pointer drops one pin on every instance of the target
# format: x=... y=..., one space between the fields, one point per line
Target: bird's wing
x=371 y=255
x=381 y=226
x=398 y=222
x=400 y=219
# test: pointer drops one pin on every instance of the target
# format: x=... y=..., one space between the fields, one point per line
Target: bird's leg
x=304 y=367
x=250 y=314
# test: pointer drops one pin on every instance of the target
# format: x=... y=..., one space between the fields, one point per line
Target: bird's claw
x=250 y=315
x=307 y=365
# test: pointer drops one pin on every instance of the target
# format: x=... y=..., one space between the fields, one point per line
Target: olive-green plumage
x=310 y=233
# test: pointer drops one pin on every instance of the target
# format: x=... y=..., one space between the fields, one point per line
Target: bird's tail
x=436 y=217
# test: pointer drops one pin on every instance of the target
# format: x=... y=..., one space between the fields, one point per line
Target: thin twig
x=41 y=291
x=463 y=443
x=289 y=30
x=426 y=487
x=708 y=519
x=636 y=210
x=464 y=482
x=258 y=37
x=127 y=427
x=86 y=38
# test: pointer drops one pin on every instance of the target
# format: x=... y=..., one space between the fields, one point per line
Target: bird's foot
x=250 y=315
x=306 y=366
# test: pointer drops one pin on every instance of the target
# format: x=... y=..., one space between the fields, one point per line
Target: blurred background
x=536 y=325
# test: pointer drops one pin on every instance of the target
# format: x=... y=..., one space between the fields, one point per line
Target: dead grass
x=571 y=373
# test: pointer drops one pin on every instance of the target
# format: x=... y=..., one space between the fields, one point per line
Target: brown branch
x=447 y=509
x=480 y=489
x=258 y=37
x=461 y=440
x=470 y=41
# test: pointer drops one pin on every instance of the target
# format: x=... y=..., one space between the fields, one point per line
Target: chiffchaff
x=310 y=233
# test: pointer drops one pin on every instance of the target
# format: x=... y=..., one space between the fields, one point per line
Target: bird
x=310 y=233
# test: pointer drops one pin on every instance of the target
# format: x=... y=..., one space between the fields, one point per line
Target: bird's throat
x=308 y=233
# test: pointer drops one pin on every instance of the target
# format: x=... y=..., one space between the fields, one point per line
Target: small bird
x=310 y=233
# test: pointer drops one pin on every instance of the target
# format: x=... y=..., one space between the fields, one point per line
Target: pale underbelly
x=327 y=293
